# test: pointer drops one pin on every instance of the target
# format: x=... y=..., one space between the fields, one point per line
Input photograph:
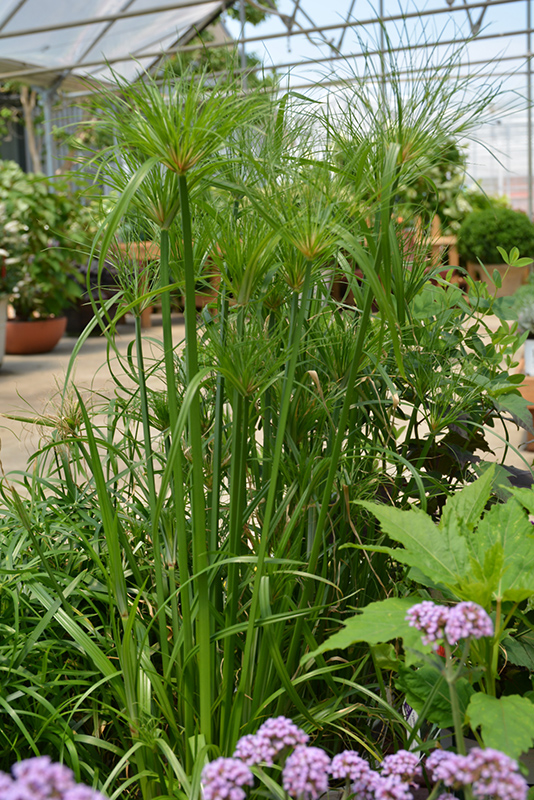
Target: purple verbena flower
x=21 y=791
x=467 y=620
x=430 y=619
x=390 y=787
x=349 y=765
x=278 y=733
x=271 y=738
x=364 y=786
x=41 y=779
x=496 y=775
x=82 y=792
x=224 y=778
x=305 y=774
x=450 y=768
x=403 y=764
x=489 y=772
x=252 y=749
x=446 y=796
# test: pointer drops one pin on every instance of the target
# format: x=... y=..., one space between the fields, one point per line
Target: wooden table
x=141 y=253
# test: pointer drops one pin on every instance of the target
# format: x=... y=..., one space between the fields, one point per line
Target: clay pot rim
x=35 y=319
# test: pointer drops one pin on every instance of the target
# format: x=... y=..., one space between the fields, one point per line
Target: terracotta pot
x=26 y=337
x=3 y=321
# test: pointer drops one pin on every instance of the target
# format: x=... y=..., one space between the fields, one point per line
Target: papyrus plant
x=199 y=534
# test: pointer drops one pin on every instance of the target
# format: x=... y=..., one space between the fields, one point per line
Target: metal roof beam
x=350 y=56
x=59 y=26
x=26 y=73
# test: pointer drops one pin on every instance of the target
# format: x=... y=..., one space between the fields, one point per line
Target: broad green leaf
x=520 y=650
x=385 y=656
x=467 y=506
x=482 y=581
x=441 y=554
x=526 y=498
x=506 y=723
x=506 y=525
x=419 y=684
x=379 y=623
x=517 y=406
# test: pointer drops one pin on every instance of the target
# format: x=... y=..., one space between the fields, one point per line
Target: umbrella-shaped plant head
x=170 y=133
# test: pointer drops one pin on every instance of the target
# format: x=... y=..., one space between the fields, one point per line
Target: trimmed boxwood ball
x=482 y=231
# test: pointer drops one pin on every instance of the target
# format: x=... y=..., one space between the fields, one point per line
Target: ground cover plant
x=178 y=549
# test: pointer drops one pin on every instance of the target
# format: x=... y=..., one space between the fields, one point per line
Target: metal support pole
x=529 y=106
x=382 y=48
x=243 y=19
x=48 y=96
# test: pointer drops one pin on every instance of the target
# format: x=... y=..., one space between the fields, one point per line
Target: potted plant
x=480 y=236
x=12 y=237
x=42 y=268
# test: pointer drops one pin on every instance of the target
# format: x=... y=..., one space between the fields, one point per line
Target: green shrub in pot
x=482 y=232
x=41 y=265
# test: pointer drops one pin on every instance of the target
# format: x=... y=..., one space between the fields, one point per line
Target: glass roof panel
x=148 y=33
x=80 y=45
x=34 y=13
x=51 y=49
x=128 y=69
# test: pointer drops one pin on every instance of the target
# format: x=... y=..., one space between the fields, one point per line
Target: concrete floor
x=30 y=385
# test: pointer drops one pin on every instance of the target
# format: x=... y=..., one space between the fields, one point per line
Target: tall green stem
x=198 y=508
x=237 y=508
x=267 y=422
x=450 y=677
x=217 y=434
x=185 y=679
x=160 y=591
x=141 y=379
x=294 y=345
x=296 y=643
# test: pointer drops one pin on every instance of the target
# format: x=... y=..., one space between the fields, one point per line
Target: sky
x=499 y=156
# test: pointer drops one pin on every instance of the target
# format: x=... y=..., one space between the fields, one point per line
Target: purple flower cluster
x=349 y=765
x=463 y=621
x=467 y=621
x=489 y=772
x=403 y=764
x=40 y=779
x=270 y=739
x=398 y=771
x=305 y=773
x=390 y=787
x=356 y=770
x=430 y=619
x=224 y=778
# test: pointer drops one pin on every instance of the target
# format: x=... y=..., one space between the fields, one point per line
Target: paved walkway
x=29 y=384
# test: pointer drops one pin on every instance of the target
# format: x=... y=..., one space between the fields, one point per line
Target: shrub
x=483 y=231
